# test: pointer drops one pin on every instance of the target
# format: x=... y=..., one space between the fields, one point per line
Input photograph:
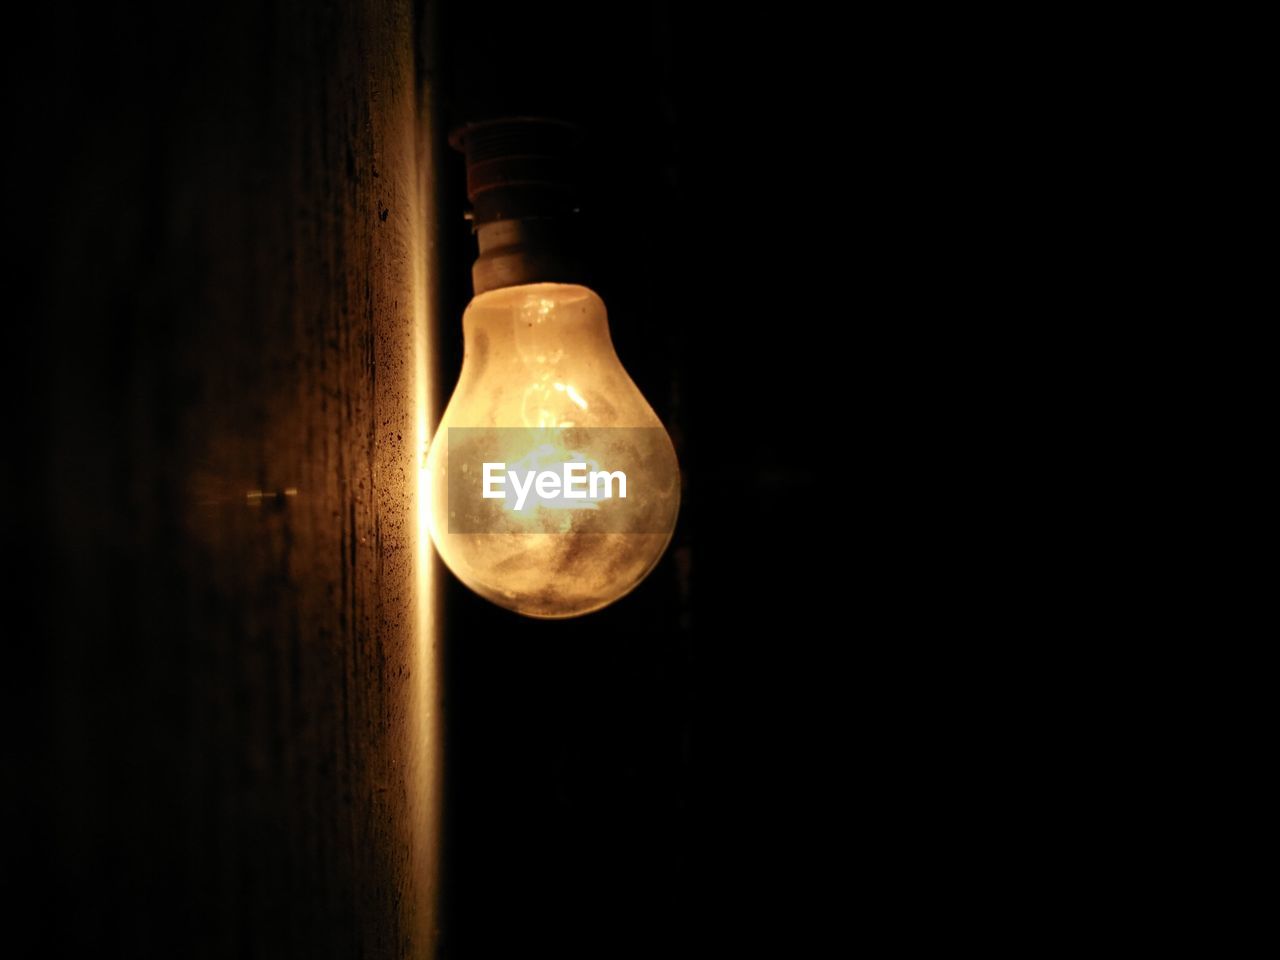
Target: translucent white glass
x=539 y=357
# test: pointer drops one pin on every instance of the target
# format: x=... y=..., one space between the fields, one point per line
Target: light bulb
x=542 y=386
x=554 y=486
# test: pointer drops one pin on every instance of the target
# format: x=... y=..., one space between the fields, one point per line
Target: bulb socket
x=522 y=183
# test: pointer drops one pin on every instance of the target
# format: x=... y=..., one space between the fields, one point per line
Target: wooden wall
x=225 y=676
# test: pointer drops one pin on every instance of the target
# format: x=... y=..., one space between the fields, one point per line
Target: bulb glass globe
x=542 y=390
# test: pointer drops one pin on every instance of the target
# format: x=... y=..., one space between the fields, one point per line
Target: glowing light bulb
x=542 y=387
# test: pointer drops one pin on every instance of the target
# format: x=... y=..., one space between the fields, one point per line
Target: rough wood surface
x=229 y=276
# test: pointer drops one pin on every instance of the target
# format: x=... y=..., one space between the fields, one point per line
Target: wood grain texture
x=232 y=663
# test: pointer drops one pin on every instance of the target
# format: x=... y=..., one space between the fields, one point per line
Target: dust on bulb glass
x=541 y=386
